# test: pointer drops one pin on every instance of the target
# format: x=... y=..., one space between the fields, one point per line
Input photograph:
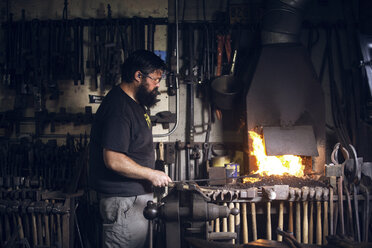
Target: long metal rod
x=177 y=81
x=211 y=179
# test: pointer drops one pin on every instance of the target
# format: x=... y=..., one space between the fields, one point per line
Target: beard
x=146 y=97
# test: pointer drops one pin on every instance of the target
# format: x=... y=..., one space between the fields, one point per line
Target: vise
x=185 y=212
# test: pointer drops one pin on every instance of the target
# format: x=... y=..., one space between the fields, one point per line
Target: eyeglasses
x=156 y=80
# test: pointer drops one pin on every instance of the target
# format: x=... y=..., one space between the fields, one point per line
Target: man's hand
x=159 y=178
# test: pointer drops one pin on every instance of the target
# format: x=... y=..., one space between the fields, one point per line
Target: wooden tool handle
x=254 y=222
x=325 y=222
x=290 y=219
x=311 y=224
x=20 y=226
x=245 y=223
x=298 y=222
x=34 y=229
x=268 y=223
x=305 y=224
x=224 y=222
x=280 y=220
x=217 y=225
x=161 y=151
x=237 y=223
x=231 y=221
x=319 y=223
x=331 y=210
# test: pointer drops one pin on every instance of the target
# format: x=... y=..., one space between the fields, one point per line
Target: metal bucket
x=225 y=91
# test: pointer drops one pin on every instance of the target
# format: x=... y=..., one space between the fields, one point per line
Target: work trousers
x=123 y=222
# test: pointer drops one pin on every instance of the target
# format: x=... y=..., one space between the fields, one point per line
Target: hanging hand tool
x=223 y=41
x=31 y=210
x=254 y=222
x=237 y=223
x=331 y=211
x=341 y=204
x=366 y=214
x=355 y=180
x=318 y=197
x=290 y=212
x=245 y=223
x=325 y=218
x=270 y=195
x=280 y=219
x=231 y=221
x=224 y=221
x=298 y=214
x=305 y=225
x=350 y=222
x=311 y=221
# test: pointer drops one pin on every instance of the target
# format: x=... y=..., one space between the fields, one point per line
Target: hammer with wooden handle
x=305 y=224
x=290 y=218
x=331 y=211
x=280 y=220
x=245 y=223
x=237 y=223
x=254 y=222
x=341 y=204
x=298 y=215
x=224 y=221
x=325 y=215
x=270 y=195
x=231 y=221
x=311 y=216
x=318 y=197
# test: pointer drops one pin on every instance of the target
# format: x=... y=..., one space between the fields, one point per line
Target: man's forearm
x=125 y=166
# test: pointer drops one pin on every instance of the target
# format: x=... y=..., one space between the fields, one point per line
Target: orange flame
x=274 y=165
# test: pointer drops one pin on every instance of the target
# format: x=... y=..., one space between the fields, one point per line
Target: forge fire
x=274 y=165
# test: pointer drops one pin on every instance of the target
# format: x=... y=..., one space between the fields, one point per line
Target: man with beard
x=122 y=157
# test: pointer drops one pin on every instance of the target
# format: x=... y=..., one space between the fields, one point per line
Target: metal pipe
x=177 y=81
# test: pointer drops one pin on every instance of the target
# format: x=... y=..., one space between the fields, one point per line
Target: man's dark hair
x=141 y=60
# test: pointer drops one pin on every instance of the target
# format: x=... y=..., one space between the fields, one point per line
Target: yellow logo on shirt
x=148 y=121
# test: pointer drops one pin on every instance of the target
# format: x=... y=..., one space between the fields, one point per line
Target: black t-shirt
x=124 y=126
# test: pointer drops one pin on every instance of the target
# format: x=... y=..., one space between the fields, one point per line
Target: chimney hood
x=285 y=97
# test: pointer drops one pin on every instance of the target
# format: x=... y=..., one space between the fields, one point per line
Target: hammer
x=280 y=220
x=217 y=225
x=270 y=194
x=245 y=223
x=237 y=223
x=291 y=199
x=318 y=197
x=231 y=221
x=254 y=222
x=311 y=222
x=325 y=223
x=341 y=205
x=331 y=211
x=298 y=215
x=305 y=224
x=224 y=221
